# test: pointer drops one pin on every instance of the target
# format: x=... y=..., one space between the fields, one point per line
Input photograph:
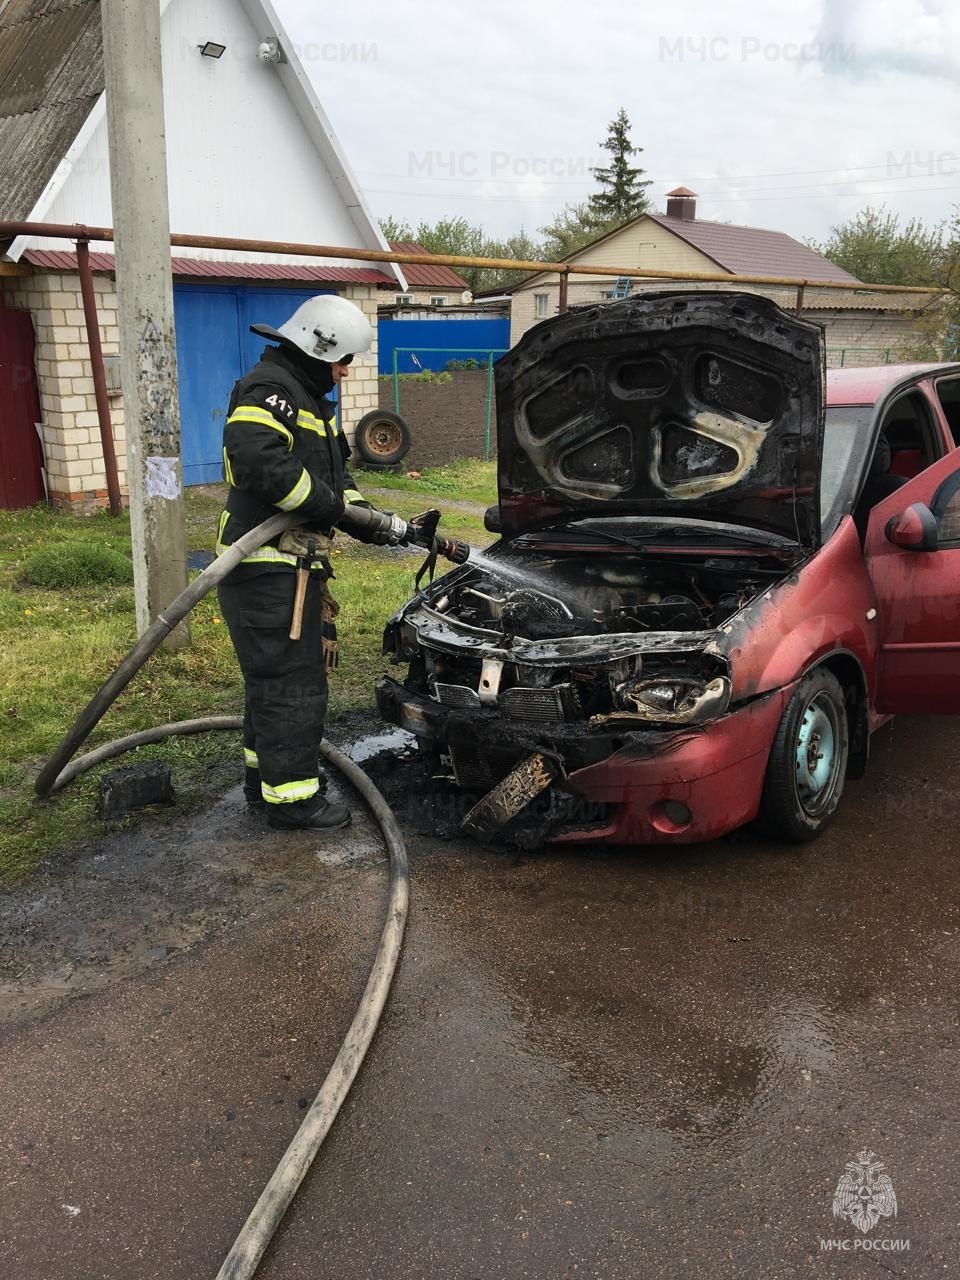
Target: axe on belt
x=304 y=565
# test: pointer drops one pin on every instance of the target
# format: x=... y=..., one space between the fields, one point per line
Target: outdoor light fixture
x=269 y=50
x=211 y=49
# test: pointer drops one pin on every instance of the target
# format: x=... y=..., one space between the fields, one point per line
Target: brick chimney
x=682 y=203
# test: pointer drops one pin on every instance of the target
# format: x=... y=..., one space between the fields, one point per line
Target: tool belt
x=296 y=542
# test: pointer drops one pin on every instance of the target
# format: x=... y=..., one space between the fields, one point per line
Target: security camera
x=269 y=50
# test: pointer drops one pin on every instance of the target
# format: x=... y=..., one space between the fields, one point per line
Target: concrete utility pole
x=148 y=354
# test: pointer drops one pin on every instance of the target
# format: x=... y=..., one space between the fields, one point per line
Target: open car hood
x=707 y=405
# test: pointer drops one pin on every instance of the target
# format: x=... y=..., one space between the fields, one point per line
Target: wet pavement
x=594 y=1063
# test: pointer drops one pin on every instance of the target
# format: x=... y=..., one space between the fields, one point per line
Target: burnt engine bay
x=581 y=636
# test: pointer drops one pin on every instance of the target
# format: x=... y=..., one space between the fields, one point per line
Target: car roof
x=871 y=383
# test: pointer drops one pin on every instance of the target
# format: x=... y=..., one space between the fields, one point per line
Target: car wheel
x=382 y=436
x=808 y=760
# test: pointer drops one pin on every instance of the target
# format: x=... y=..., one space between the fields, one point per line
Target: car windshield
x=845 y=437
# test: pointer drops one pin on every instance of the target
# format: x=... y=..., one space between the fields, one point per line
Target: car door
x=918 y=598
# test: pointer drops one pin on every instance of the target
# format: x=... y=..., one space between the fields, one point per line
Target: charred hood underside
x=701 y=405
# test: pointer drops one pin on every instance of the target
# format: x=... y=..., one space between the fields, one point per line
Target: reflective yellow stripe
x=268 y=555
x=352 y=495
x=224 y=517
x=288 y=792
x=251 y=413
x=310 y=422
x=251 y=759
x=227 y=469
x=298 y=494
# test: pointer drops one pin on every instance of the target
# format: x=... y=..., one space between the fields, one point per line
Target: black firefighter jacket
x=282 y=452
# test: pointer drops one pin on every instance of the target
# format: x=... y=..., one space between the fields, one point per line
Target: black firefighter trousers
x=285 y=680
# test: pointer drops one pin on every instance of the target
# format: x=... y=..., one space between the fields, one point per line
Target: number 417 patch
x=277 y=402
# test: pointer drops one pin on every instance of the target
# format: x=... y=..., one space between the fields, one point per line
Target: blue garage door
x=214 y=348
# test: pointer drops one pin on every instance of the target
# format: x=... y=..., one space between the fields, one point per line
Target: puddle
x=394 y=740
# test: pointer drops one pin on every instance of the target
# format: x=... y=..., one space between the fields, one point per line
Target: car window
x=908 y=427
x=845 y=437
x=946 y=509
x=948 y=393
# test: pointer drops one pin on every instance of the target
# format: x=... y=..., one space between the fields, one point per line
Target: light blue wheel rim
x=818 y=754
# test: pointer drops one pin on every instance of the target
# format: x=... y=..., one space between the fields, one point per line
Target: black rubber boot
x=315 y=814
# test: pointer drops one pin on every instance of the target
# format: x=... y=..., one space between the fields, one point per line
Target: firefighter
x=282 y=451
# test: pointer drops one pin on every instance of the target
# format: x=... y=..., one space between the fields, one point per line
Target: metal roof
x=205 y=269
x=51 y=75
x=753 y=250
x=427 y=277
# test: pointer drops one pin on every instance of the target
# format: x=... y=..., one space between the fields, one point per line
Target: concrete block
x=134 y=786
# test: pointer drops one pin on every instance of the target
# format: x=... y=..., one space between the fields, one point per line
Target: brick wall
x=76 y=478
x=358 y=394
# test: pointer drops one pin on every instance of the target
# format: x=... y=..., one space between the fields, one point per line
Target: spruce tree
x=623 y=189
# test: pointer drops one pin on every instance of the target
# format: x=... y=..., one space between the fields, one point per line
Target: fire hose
x=251 y=1244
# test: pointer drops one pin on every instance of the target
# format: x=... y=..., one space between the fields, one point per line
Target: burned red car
x=711 y=584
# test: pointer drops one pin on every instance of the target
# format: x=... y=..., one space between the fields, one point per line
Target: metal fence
x=848 y=357
x=459 y=355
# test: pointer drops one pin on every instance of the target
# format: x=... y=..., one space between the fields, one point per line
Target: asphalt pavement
x=594 y=1063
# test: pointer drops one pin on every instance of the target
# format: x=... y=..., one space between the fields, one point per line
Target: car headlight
x=674 y=701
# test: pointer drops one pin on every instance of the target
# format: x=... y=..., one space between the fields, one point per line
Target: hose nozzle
x=457 y=552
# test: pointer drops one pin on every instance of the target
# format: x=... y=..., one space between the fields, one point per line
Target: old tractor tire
x=382 y=436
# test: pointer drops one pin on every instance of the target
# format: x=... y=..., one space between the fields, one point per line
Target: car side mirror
x=492 y=521
x=914 y=529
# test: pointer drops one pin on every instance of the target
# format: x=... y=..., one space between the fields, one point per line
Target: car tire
x=382 y=436
x=808 y=760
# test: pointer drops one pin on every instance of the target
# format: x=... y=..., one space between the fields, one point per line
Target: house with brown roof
x=265 y=165
x=862 y=326
x=427 y=286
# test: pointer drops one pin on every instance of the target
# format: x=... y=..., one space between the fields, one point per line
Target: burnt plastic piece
x=134 y=787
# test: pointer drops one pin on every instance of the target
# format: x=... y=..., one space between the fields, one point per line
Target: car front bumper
x=652 y=786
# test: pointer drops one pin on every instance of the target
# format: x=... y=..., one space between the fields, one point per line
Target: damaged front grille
x=471 y=768
x=456 y=695
x=559 y=702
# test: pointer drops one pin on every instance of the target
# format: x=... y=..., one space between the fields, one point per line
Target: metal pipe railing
x=76 y=231
x=99 y=376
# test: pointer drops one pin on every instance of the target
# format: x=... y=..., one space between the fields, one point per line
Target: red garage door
x=21 y=460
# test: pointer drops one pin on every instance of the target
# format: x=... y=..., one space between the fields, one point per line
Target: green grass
x=58 y=645
x=466 y=480
x=72 y=564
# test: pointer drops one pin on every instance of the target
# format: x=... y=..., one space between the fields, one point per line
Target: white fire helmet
x=327 y=327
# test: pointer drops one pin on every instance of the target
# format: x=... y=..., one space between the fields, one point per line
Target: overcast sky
x=791 y=115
